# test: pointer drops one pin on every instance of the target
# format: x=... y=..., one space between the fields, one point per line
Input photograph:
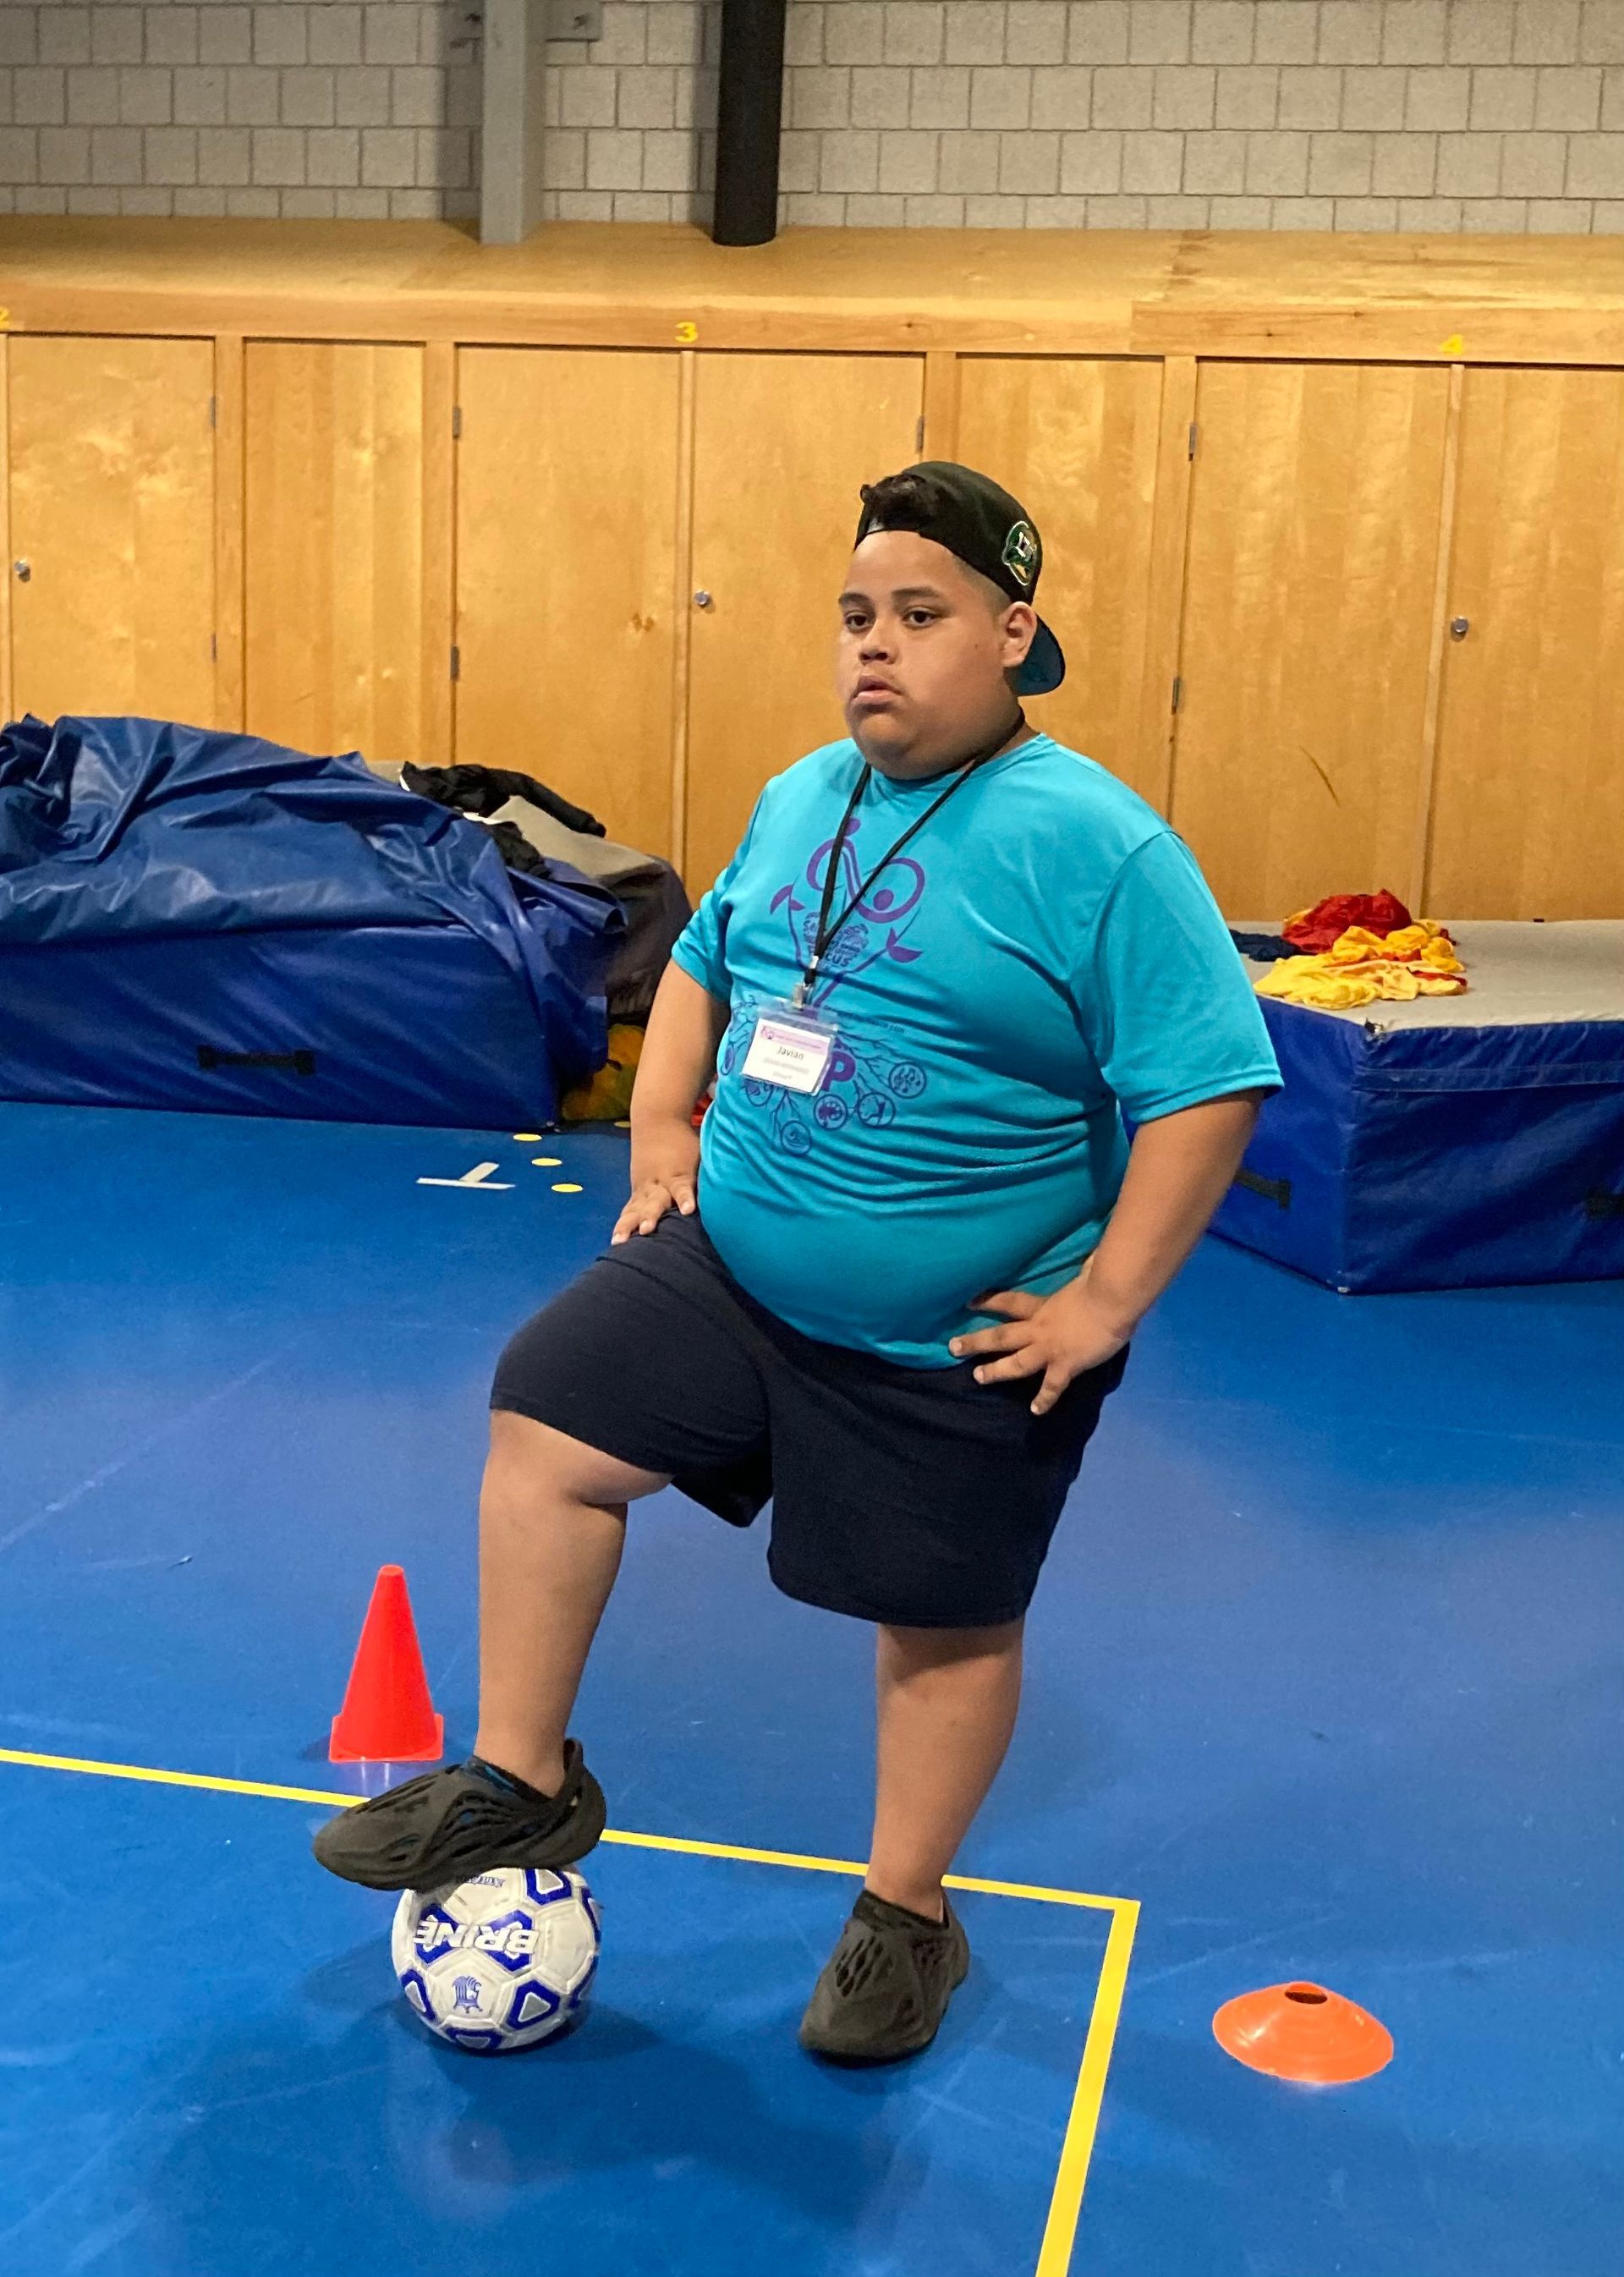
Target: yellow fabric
x=1424 y=943
x=606 y=1098
x=1363 y=968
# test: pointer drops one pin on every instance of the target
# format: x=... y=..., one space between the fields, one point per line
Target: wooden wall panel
x=8 y=710
x=567 y=575
x=334 y=547
x=781 y=446
x=112 y=508
x=439 y=550
x=230 y=530
x=1170 y=542
x=1308 y=606
x=1528 y=818
x=1076 y=442
x=330 y=538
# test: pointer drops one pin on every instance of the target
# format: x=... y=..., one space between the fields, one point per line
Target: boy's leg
x=651 y=1353
x=551 y=1529
x=947 y=1702
x=553 y=1515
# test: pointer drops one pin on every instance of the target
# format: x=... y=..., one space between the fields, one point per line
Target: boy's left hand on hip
x=1059 y=1338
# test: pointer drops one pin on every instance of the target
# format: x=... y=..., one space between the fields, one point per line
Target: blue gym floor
x=1324 y=1675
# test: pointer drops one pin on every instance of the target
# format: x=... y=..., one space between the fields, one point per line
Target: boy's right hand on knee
x=652 y=1200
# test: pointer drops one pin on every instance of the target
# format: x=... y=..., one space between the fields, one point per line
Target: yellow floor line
x=173 y=1779
x=729 y=1850
x=1065 y=2203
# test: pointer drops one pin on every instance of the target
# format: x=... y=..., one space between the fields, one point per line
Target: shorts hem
x=532 y=1414
x=831 y=1602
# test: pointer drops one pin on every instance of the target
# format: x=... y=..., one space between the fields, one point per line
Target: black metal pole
x=749 y=111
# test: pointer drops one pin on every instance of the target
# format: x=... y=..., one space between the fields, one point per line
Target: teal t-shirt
x=1043 y=955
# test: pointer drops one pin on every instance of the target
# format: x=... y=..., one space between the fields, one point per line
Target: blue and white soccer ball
x=502 y=1961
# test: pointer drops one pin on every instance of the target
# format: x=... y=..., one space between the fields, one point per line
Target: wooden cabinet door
x=1076 y=441
x=1528 y=817
x=333 y=601
x=781 y=446
x=1310 y=600
x=112 y=512
x=568 y=512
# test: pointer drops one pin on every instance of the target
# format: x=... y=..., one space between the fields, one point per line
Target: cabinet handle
x=702 y=600
x=1458 y=628
x=24 y=570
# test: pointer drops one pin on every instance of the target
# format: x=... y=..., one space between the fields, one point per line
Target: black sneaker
x=449 y=1825
x=887 y=1986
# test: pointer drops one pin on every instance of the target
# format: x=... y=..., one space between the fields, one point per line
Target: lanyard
x=824 y=939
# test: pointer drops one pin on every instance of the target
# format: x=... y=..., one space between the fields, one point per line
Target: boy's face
x=925 y=646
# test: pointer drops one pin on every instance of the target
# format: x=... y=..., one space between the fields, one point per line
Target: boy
x=946 y=956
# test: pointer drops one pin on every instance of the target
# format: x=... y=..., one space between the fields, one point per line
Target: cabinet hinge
x=214 y=410
x=456 y=422
x=1177 y=692
x=456 y=662
x=919 y=432
x=214 y=648
x=1195 y=436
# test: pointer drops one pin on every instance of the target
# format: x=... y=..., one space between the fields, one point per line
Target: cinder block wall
x=1237 y=114
x=284 y=109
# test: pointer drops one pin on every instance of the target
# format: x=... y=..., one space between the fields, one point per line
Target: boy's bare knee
x=533 y=1459
x=916 y=1648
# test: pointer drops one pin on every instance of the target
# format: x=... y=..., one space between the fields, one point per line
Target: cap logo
x=1020 y=551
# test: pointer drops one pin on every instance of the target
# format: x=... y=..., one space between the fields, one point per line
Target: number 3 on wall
x=686 y=335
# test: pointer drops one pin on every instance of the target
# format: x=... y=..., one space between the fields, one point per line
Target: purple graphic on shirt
x=867 y=1077
x=879 y=924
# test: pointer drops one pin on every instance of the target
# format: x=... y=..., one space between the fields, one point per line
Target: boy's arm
x=679 y=1058
x=1178 y=1171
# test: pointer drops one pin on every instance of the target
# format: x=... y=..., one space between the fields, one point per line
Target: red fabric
x=1323 y=926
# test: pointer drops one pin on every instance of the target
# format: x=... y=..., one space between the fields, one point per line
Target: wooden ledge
x=1546 y=300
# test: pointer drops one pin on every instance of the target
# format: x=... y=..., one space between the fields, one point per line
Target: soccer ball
x=502 y=1961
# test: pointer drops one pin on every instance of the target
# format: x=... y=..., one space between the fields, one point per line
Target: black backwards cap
x=988 y=531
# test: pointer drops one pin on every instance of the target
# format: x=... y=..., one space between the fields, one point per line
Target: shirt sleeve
x=701 y=949
x=1165 y=998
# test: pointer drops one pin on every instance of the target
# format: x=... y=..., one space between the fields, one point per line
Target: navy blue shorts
x=910 y=1495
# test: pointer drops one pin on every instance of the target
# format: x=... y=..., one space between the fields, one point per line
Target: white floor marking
x=479 y=1177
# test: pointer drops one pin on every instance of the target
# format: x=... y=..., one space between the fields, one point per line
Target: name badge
x=791 y=1048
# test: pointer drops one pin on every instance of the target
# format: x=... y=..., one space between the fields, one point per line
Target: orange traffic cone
x=387 y=1716
x=1303 y=2032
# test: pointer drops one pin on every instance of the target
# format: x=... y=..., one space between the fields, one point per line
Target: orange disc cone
x=387 y=1716
x=1303 y=2032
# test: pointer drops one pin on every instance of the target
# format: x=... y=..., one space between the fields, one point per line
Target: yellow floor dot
x=566 y=1190
x=527 y=1138
x=546 y=1163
